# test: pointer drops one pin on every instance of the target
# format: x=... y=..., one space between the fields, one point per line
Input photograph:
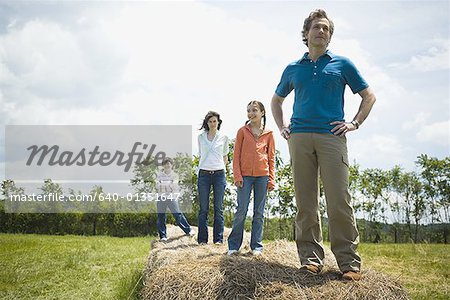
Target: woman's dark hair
x=261 y=108
x=208 y=116
x=317 y=14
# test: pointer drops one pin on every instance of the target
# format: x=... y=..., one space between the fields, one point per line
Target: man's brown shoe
x=311 y=269
x=352 y=276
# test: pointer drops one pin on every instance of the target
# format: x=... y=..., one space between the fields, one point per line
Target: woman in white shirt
x=213 y=150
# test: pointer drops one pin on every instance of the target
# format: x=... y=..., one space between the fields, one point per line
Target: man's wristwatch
x=355 y=123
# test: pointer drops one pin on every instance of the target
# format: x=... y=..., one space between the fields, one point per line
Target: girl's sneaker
x=232 y=252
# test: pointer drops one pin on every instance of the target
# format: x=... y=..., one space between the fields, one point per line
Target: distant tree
x=436 y=183
x=94 y=210
x=144 y=180
x=374 y=186
x=9 y=188
x=192 y=217
x=230 y=199
x=396 y=202
x=51 y=209
x=354 y=185
x=50 y=187
x=282 y=198
x=415 y=188
x=410 y=195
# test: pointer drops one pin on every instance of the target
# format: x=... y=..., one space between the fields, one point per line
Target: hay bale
x=182 y=269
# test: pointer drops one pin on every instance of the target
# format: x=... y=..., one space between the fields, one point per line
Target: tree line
x=391 y=205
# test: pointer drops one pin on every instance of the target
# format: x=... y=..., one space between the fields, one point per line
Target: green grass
x=78 y=267
x=71 y=267
x=423 y=269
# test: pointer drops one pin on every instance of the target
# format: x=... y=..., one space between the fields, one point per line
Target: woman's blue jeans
x=259 y=186
x=216 y=180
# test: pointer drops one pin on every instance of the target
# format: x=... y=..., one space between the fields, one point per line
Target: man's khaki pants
x=312 y=153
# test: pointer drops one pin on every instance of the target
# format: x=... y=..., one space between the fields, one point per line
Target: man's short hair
x=317 y=14
x=167 y=160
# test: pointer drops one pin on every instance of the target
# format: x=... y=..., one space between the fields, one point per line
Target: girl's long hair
x=261 y=108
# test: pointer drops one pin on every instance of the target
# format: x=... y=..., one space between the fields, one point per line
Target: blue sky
x=168 y=63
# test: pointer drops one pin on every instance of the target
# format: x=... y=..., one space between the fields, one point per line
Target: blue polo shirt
x=319 y=90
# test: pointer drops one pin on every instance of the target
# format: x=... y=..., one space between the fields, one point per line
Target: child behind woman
x=253 y=168
x=166 y=184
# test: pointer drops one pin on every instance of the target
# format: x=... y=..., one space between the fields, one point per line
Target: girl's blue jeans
x=259 y=186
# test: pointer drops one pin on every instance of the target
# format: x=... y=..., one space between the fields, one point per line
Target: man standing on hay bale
x=317 y=143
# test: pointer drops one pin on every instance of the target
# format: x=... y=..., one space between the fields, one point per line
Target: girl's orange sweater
x=254 y=156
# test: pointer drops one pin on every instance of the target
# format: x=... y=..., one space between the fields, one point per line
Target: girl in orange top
x=253 y=168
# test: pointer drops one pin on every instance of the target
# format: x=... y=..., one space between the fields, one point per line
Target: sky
x=168 y=63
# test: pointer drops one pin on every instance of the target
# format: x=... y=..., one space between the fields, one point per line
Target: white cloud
x=419 y=121
x=435 y=58
x=432 y=133
x=191 y=53
x=435 y=133
x=43 y=58
x=381 y=151
x=46 y=64
x=388 y=89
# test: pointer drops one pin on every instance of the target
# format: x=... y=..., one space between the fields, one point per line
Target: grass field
x=78 y=267
x=70 y=267
x=423 y=269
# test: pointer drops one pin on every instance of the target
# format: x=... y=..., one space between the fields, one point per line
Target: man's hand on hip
x=285 y=132
x=342 y=128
